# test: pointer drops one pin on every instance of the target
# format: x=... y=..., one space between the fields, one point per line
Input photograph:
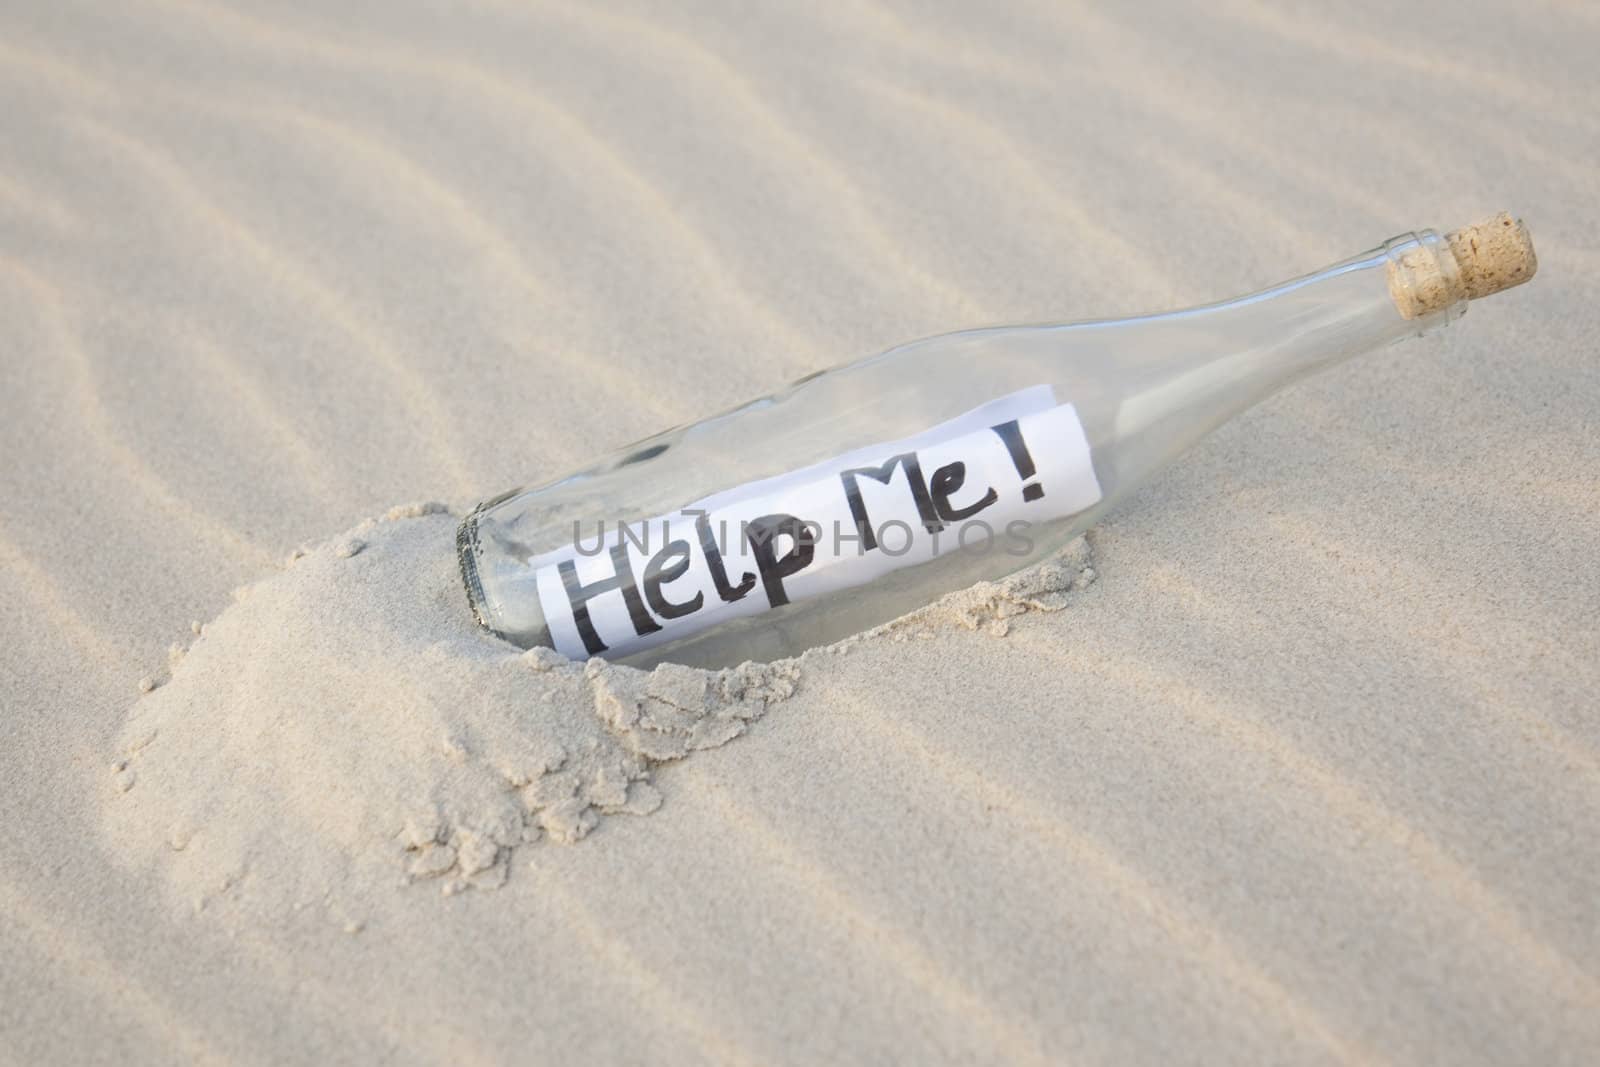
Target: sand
x=1305 y=767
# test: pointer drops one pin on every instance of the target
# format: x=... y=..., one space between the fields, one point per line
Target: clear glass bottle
x=774 y=527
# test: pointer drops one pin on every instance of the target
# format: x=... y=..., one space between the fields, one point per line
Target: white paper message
x=975 y=483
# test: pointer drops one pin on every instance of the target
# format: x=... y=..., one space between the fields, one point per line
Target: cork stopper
x=1493 y=255
x=1471 y=263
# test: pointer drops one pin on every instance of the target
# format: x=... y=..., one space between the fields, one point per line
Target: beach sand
x=1303 y=764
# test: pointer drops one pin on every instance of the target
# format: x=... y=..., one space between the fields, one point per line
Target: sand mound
x=345 y=725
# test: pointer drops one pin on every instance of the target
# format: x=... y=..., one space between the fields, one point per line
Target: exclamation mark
x=1011 y=434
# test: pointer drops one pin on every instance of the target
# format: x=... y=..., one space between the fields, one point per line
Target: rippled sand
x=1310 y=772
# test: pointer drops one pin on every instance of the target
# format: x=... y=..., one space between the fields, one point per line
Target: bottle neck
x=1232 y=355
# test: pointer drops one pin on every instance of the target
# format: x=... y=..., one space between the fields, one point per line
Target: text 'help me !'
x=976 y=483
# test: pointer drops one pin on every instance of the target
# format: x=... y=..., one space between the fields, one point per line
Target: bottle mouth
x=1424 y=278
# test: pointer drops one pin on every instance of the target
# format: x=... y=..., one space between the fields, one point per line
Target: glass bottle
x=860 y=493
